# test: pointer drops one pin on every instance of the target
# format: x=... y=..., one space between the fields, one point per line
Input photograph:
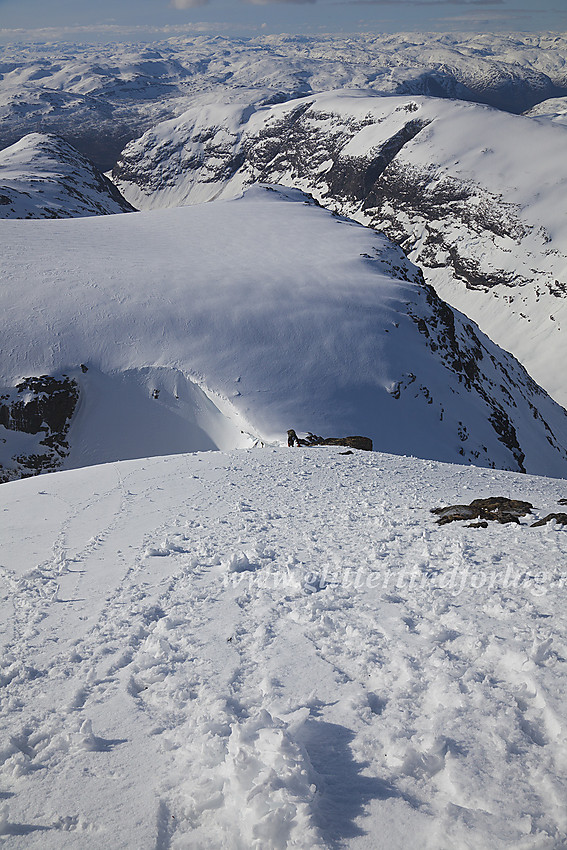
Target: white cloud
x=188 y=4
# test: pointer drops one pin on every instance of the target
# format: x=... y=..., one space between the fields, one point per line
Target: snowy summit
x=220 y=325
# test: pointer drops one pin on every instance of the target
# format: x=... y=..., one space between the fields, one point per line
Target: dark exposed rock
x=356 y=442
x=464 y=356
x=51 y=405
x=43 y=407
x=497 y=508
x=560 y=519
x=362 y=443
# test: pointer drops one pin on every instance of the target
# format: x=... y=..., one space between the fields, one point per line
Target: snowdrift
x=228 y=323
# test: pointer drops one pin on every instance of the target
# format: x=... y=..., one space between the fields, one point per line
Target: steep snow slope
x=100 y=96
x=44 y=177
x=276 y=649
x=282 y=314
x=474 y=196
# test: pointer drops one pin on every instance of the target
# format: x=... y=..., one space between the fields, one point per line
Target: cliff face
x=35 y=416
x=470 y=194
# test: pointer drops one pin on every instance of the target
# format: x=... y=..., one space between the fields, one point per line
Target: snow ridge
x=292 y=316
x=42 y=176
x=457 y=185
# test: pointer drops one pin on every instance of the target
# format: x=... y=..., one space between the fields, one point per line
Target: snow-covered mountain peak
x=43 y=176
x=471 y=194
x=282 y=315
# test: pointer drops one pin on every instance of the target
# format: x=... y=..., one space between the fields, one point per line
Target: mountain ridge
x=279 y=313
x=43 y=176
x=455 y=184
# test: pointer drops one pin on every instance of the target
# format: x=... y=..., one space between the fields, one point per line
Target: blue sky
x=150 y=18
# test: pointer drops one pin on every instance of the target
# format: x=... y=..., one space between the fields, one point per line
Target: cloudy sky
x=149 y=18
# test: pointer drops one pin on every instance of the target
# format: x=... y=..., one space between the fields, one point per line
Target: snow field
x=278 y=648
x=220 y=325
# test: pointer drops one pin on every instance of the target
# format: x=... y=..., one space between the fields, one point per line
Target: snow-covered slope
x=182 y=328
x=100 y=96
x=473 y=195
x=554 y=109
x=42 y=176
x=279 y=648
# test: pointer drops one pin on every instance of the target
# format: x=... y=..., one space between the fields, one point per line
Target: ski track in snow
x=274 y=648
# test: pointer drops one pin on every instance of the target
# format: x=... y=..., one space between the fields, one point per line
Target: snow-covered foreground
x=276 y=648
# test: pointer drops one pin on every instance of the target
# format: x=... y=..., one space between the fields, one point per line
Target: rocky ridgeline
x=456 y=185
x=42 y=176
x=39 y=411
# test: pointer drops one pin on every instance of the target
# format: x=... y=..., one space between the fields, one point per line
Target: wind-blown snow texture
x=473 y=195
x=215 y=325
x=44 y=177
x=278 y=648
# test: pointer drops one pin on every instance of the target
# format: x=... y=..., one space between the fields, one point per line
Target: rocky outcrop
x=497 y=508
x=361 y=443
x=560 y=519
x=39 y=409
x=356 y=442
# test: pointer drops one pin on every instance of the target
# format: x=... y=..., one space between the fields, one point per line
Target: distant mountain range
x=99 y=97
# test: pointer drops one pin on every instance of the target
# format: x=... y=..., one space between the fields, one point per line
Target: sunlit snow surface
x=249 y=317
x=278 y=648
